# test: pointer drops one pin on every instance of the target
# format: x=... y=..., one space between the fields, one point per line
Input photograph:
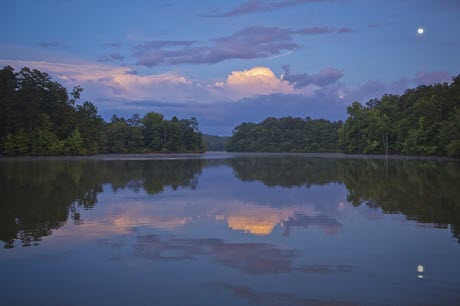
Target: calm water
x=230 y=230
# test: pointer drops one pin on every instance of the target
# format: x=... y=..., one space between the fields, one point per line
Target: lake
x=229 y=229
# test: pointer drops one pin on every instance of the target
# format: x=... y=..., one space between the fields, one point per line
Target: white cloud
x=253 y=82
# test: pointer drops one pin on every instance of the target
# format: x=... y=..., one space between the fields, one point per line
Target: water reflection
x=253 y=258
x=275 y=298
x=39 y=197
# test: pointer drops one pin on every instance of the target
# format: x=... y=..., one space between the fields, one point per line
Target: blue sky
x=233 y=61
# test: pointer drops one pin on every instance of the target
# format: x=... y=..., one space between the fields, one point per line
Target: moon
x=420 y=31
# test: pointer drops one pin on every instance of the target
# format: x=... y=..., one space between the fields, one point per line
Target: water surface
x=229 y=229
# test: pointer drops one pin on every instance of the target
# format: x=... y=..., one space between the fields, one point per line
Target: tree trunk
x=386 y=144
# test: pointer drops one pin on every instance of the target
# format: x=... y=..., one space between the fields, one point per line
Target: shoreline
x=223 y=154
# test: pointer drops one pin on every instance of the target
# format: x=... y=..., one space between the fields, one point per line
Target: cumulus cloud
x=255 y=6
x=253 y=82
x=247 y=43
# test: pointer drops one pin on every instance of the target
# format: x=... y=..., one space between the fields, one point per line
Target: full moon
x=420 y=31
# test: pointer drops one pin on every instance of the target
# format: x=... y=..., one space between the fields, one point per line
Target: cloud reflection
x=252 y=258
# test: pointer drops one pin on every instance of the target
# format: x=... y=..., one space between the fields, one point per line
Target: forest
x=286 y=134
x=40 y=117
x=422 y=121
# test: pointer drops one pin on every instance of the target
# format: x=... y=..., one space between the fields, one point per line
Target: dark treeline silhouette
x=286 y=134
x=40 y=196
x=422 y=121
x=39 y=117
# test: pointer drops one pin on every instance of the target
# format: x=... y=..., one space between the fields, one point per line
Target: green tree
x=153 y=131
x=43 y=140
x=74 y=145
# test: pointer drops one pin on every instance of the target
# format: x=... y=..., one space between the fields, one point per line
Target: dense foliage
x=422 y=121
x=39 y=117
x=215 y=143
x=286 y=134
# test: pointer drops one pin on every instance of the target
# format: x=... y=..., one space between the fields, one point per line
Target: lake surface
x=229 y=229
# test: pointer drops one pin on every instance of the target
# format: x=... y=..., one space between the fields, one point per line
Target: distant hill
x=215 y=143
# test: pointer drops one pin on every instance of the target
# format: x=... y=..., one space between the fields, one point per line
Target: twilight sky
x=227 y=62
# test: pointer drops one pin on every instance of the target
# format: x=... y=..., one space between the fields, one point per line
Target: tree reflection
x=40 y=196
x=425 y=191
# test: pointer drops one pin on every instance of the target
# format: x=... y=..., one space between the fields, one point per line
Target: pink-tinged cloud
x=112 y=57
x=124 y=84
x=432 y=77
x=253 y=82
x=375 y=89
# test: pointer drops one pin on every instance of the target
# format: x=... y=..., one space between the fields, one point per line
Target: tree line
x=285 y=134
x=39 y=117
x=422 y=121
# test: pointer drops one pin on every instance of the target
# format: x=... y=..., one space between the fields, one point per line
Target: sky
x=228 y=62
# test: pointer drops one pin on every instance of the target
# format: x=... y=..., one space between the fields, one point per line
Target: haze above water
x=244 y=229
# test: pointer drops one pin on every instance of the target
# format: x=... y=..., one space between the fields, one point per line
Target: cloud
x=252 y=258
x=105 y=82
x=52 y=45
x=323 y=78
x=112 y=56
x=247 y=43
x=329 y=224
x=431 y=77
x=345 y=30
x=253 y=82
x=375 y=89
x=112 y=44
x=124 y=84
x=256 y=6
x=158 y=44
